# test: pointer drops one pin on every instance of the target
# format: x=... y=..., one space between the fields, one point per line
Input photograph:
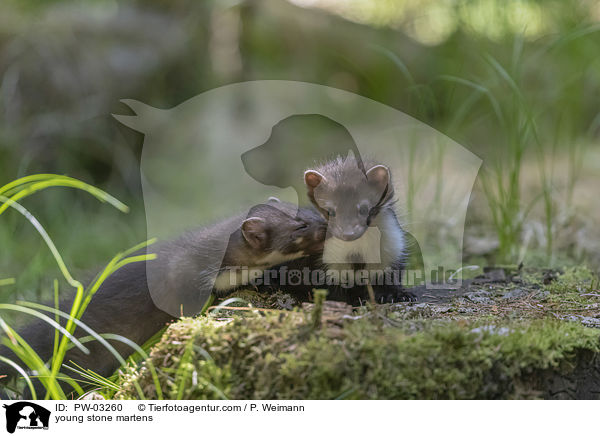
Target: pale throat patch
x=382 y=244
x=233 y=277
x=365 y=249
x=277 y=257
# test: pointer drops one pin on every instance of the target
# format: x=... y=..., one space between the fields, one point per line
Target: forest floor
x=507 y=333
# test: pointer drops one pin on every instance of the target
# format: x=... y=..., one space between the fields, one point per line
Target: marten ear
x=379 y=176
x=313 y=179
x=255 y=232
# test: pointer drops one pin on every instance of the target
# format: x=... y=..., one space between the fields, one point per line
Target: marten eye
x=363 y=210
x=330 y=211
x=302 y=226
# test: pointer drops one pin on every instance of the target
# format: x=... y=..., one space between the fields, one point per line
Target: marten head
x=276 y=232
x=348 y=197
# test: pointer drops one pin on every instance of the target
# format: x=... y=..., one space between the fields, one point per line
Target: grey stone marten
x=270 y=234
x=354 y=202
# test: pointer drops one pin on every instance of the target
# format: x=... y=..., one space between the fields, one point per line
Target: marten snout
x=314 y=242
x=298 y=234
x=308 y=237
x=311 y=239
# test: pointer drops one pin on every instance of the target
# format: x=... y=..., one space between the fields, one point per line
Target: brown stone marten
x=270 y=234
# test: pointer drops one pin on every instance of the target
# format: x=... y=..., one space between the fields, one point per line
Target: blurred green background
x=516 y=82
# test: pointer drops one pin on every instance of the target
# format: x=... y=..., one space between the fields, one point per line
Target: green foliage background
x=511 y=80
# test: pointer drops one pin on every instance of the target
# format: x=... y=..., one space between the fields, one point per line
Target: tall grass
x=496 y=103
x=50 y=374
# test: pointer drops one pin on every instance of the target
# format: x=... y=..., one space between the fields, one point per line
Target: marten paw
x=405 y=296
x=388 y=296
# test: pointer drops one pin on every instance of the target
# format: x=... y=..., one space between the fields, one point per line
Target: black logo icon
x=26 y=415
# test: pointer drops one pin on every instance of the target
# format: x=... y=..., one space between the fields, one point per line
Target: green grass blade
x=48 y=320
x=23 y=374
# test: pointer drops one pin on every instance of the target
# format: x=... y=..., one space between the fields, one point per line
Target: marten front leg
x=392 y=294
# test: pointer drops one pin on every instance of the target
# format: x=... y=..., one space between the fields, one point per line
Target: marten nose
x=350 y=235
x=351 y=232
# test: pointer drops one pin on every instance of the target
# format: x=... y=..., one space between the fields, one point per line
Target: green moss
x=577 y=279
x=276 y=300
x=281 y=356
x=518 y=337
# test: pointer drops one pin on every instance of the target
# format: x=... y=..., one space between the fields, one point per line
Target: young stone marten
x=270 y=234
x=364 y=236
x=355 y=203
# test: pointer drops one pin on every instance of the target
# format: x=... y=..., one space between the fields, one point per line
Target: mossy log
x=517 y=339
